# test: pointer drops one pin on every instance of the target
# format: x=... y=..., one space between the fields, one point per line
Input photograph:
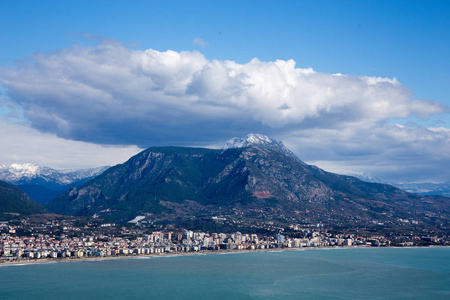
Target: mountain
x=44 y=184
x=251 y=180
x=14 y=201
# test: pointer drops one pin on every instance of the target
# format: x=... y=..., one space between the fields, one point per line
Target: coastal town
x=57 y=240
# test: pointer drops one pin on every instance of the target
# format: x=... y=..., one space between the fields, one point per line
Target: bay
x=352 y=273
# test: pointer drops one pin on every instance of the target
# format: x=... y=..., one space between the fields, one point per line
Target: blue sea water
x=356 y=273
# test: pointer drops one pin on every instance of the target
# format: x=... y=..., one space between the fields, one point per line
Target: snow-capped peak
x=259 y=140
x=249 y=140
x=26 y=169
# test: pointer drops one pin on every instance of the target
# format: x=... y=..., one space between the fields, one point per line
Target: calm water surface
x=382 y=273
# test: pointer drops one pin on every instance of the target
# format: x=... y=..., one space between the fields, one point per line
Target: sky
x=350 y=86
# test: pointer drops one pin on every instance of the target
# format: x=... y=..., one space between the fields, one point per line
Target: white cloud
x=110 y=94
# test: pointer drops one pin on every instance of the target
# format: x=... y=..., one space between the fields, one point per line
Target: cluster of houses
x=13 y=248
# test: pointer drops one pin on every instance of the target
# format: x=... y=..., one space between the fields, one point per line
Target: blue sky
x=405 y=40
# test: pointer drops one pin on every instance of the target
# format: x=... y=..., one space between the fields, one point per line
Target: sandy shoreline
x=175 y=254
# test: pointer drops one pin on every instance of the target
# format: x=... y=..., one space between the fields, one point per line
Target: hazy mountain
x=42 y=194
x=426 y=188
x=248 y=180
x=423 y=188
x=14 y=201
x=44 y=184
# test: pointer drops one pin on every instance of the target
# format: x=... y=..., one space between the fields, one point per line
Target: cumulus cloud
x=110 y=94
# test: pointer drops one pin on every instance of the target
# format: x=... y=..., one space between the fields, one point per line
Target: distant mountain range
x=255 y=179
x=423 y=188
x=44 y=184
x=426 y=188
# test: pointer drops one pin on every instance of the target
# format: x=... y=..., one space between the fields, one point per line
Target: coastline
x=199 y=253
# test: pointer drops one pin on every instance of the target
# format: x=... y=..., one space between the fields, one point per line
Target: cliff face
x=181 y=181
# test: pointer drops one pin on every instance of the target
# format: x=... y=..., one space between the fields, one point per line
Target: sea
x=351 y=273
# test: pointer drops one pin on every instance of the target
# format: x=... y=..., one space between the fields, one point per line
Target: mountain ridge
x=169 y=183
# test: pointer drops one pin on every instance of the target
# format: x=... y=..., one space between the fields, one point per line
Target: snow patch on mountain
x=261 y=141
x=250 y=140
